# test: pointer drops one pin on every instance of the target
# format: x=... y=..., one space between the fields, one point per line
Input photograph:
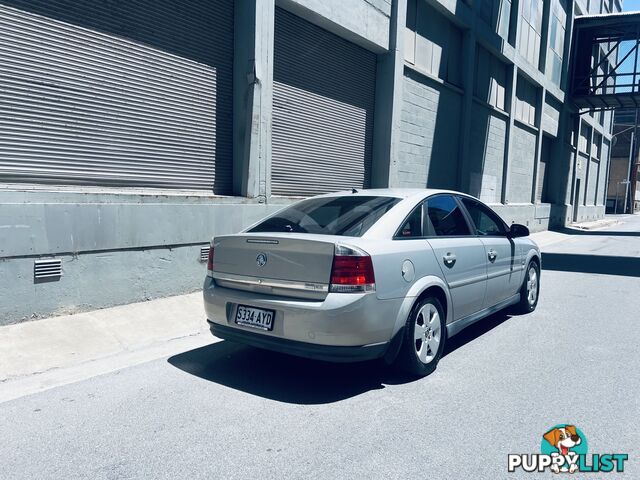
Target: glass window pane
x=531 y=46
x=553 y=31
x=413 y=226
x=505 y=18
x=445 y=216
x=348 y=216
x=526 y=9
x=485 y=221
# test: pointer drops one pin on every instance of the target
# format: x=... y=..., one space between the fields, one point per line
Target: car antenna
x=353 y=190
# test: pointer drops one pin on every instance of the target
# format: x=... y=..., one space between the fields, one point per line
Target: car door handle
x=449 y=260
x=492 y=255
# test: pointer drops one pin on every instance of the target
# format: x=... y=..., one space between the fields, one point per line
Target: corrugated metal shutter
x=126 y=93
x=323 y=101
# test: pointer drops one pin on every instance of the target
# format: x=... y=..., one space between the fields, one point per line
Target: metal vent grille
x=204 y=253
x=49 y=268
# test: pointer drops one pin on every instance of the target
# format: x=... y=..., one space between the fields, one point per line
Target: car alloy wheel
x=532 y=285
x=530 y=290
x=427 y=333
x=424 y=337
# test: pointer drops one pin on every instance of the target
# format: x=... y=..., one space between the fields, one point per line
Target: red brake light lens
x=352 y=271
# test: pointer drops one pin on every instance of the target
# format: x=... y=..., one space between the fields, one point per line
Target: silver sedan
x=359 y=275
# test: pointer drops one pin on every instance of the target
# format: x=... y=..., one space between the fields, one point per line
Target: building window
x=556 y=41
x=496 y=14
x=584 y=143
x=530 y=31
x=526 y=101
x=597 y=145
x=410 y=32
x=490 y=79
x=432 y=43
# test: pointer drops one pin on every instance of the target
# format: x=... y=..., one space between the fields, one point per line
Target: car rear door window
x=444 y=217
x=485 y=221
x=412 y=227
x=347 y=216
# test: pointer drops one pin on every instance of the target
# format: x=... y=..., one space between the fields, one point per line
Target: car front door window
x=484 y=220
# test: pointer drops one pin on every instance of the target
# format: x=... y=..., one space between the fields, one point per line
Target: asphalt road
x=225 y=411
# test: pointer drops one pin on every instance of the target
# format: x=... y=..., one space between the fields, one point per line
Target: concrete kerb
x=596 y=225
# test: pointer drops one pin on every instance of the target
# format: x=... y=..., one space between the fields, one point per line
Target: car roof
x=402 y=193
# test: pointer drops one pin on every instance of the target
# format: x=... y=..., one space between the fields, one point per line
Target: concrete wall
x=43 y=222
x=364 y=22
x=486 y=151
x=96 y=280
x=428 y=153
x=522 y=161
x=115 y=248
x=499 y=133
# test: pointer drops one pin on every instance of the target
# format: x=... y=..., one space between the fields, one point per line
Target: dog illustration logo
x=563 y=449
x=564 y=441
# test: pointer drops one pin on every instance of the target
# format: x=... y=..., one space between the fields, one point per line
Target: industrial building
x=132 y=131
x=623 y=185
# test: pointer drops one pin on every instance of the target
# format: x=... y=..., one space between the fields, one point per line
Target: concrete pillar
x=536 y=165
x=565 y=152
x=468 y=74
x=253 y=97
x=510 y=100
x=389 y=83
x=544 y=44
x=510 y=97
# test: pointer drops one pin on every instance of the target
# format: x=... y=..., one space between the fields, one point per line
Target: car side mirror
x=518 y=230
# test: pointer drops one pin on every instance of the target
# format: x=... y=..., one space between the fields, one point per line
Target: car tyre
x=530 y=290
x=424 y=338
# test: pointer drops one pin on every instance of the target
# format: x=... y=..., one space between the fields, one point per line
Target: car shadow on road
x=303 y=381
x=604 y=233
x=602 y=264
x=283 y=377
x=475 y=331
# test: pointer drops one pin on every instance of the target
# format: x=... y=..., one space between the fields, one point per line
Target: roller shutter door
x=127 y=93
x=323 y=102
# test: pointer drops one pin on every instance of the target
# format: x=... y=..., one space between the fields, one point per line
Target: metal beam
x=609 y=89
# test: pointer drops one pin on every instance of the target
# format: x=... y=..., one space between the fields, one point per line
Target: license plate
x=255 y=317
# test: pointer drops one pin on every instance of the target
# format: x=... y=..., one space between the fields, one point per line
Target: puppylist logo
x=563 y=449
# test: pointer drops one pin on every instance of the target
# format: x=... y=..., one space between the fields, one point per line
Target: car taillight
x=352 y=271
x=210 y=261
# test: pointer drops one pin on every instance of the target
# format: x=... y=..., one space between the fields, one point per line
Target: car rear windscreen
x=349 y=216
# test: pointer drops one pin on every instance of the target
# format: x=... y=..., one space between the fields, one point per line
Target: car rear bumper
x=340 y=320
x=330 y=353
